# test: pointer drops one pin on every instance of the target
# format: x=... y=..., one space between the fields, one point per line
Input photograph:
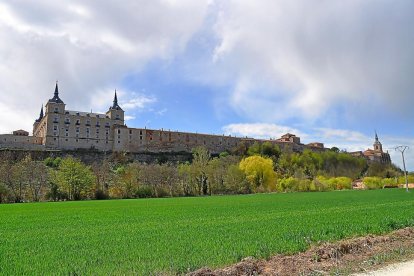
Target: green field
x=181 y=234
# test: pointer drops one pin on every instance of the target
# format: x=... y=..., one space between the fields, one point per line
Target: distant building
x=316 y=145
x=374 y=155
x=290 y=138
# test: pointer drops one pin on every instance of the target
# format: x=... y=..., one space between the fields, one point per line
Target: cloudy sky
x=327 y=70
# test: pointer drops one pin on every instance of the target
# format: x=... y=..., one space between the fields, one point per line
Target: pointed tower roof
x=56 y=98
x=115 y=103
x=40 y=115
x=376 y=136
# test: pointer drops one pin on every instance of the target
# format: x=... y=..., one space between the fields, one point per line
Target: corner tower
x=55 y=104
x=115 y=112
x=37 y=121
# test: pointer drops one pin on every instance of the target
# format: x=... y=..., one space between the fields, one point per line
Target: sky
x=326 y=70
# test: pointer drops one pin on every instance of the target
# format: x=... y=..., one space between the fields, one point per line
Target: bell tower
x=377 y=144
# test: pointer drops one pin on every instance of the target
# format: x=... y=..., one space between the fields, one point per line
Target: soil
x=339 y=258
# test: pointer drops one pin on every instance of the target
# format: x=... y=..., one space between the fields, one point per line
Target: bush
x=100 y=195
x=373 y=183
x=144 y=192
x=292 y=184
x=390 y=182
x=401 y=180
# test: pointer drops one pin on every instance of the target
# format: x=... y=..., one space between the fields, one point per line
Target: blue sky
x=329 y=71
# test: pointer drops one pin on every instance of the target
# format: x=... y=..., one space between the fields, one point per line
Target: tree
x=201 y=157
x=74 y=178
x=103 y=174
x=259 y=172
x=35 y=176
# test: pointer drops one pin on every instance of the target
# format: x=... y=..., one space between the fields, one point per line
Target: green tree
x=75 y=178
x=259 y=172
x=201 y=157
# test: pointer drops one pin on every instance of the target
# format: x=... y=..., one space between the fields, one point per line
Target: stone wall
x=89 y=156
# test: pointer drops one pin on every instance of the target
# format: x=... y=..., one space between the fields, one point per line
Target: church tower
x=115 y=112
x=377 y=144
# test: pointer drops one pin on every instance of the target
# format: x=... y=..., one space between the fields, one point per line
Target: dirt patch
x=339 y=258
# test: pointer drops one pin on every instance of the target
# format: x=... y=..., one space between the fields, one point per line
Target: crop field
x=177 y=235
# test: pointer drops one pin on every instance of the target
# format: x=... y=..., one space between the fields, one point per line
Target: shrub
x=373 y=183
x=100 y=195
x=144 y=192
x=390 y=182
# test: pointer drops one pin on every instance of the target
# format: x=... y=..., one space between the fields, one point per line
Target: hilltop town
x=60 y=129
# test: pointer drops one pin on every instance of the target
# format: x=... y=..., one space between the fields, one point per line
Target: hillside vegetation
x=257 y=169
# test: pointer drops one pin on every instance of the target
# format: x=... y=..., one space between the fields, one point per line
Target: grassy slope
x=180 y=234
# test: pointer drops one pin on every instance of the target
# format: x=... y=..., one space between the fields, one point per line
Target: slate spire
x=56 y=90
x=56 y=98
x=41 y=113
x=115 y=104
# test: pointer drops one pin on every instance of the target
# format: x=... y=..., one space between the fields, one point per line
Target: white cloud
x=259 y=130
x=89 y=46
x=303 y=58
x=129 y=118
x=137 y=102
